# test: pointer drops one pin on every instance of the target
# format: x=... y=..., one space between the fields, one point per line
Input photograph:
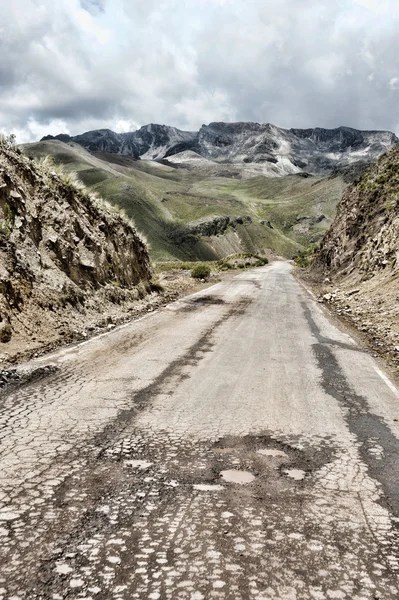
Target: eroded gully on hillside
x=118 y=471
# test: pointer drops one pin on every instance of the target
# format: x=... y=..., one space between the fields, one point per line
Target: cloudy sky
x=74 y=65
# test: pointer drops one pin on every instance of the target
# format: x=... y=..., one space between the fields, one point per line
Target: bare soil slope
x=67 y=262
x=358 y=259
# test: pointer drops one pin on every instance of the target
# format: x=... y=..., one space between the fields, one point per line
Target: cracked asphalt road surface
x=233 y=445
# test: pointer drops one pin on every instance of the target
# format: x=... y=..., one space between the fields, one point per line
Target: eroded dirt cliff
x=356 y=269
x=363 y=238
x=68 y=263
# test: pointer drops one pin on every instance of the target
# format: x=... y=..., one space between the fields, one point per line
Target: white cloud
x=33 y=130
x=88 y=25
x=383 y=7
x=122 y=63
x=124 y=125
x=394 y=83
x=206 y=106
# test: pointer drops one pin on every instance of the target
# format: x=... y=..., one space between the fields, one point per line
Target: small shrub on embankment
x=201 y=271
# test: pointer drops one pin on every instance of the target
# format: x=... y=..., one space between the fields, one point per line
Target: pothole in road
x=297 y=474
x=208 y=300
x=235 y=476
x=195 y=303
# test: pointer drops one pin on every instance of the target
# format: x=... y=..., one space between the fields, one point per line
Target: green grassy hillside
x=165 y=202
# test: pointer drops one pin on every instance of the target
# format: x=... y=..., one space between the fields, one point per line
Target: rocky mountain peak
x=272 y=150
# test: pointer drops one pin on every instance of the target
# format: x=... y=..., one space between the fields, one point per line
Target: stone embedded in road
x=138 y=464
x=226 y=515
x=63 y=569
x=207 y=488
x=76 y=583
x=8 y=516
x=235 y=476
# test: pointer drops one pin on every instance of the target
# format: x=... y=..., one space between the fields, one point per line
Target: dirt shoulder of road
x=370 y=309
x=82 y=325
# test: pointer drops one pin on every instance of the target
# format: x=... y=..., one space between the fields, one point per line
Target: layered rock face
x=275 y=150
x=61 y=250
x=364 y=236
x=358 y=260
x=150 y=141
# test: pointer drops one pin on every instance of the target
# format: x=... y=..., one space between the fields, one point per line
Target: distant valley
x=230 y=187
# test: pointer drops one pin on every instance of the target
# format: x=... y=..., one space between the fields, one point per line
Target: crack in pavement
x=174 y=372
x=125 y=499
x=44 y=507
x=382 y=466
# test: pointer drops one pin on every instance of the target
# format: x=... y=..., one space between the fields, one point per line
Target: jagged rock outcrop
x=217 y=225
x=62 y=251
x=364 y=236
x=356 y=269
x=150 y=141
x=274 y=150
x=211 y=226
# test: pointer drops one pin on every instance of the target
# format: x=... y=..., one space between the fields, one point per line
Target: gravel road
x=235 y=445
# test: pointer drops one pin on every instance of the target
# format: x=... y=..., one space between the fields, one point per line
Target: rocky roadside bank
x=371 y=308
x=81 y=327
x=355 y=270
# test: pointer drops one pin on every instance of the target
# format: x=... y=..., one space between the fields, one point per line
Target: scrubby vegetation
x=7 y=222
x=201 y=271
x=304 y=257
x=242 y=260
x=9 y=142
x=53 y=173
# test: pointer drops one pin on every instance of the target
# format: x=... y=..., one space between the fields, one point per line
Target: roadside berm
x=69 y=263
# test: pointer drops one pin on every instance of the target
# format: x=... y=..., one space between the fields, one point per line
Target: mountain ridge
x=257 y=147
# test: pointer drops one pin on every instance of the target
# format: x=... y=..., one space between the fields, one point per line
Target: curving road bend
x=233 y=445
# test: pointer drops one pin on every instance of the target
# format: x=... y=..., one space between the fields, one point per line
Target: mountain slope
x=192 y=214
x=251 y=147
x=150 y=141
x=66 y=261
x=358 y=259
x=363 y=239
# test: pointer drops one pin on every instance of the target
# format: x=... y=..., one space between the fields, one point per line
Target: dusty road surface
x=233 y=445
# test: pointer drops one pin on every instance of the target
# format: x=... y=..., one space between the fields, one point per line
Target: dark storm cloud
x=80 y=64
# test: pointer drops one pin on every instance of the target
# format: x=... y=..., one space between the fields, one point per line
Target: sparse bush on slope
x=201 y=271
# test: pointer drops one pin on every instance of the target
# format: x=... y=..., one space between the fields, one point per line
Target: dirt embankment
x=356 y=269
x=68 y=264
x=371 y=308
